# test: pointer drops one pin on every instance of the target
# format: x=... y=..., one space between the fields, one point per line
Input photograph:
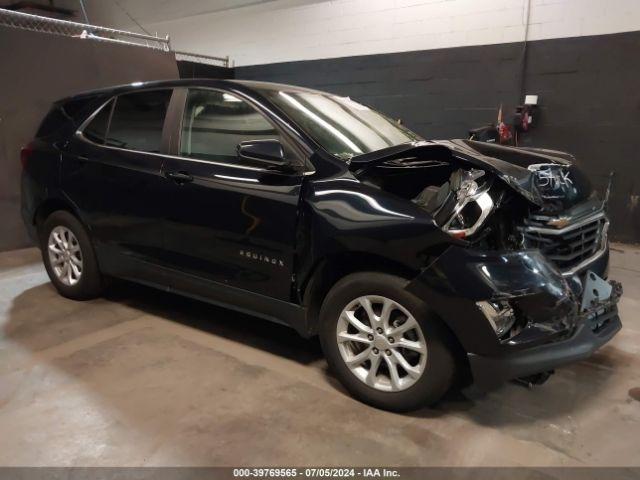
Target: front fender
x=343 y=215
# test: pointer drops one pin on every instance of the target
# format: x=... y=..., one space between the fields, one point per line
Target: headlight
x=473 y=204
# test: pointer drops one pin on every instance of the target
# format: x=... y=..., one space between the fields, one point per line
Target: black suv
x=417 y=262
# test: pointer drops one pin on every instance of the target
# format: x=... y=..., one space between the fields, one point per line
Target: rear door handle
x=180 y=177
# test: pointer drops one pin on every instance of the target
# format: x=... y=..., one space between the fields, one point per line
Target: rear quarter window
x=64 y=116
x=52 y=122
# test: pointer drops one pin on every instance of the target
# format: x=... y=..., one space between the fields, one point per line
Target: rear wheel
x=383 y=343
x=69 y=257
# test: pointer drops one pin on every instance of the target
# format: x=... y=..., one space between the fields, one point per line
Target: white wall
x=287 y=30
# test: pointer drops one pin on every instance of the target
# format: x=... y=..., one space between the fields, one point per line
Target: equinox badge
x=262 y=258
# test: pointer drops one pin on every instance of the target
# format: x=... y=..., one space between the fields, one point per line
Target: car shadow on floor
x=223 y=322
x=39 y=318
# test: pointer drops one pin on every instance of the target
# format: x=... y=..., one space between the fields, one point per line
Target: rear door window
x=137 y=120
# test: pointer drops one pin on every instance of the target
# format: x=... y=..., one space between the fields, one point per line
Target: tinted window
x=215 y=123
x=97 y=128
x=137 y=120
x=62 y=115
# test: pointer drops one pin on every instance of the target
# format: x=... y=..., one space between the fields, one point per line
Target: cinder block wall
x=291 y=30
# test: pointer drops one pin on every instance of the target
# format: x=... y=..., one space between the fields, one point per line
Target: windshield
x=341 y=126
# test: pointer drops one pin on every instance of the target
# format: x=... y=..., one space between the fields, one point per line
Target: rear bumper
x=491 y=371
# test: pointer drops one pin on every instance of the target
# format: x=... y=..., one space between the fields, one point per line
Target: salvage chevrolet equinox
x=419 y=264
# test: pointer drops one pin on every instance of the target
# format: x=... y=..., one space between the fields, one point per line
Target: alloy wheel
x=65 y=255
x=381 y=342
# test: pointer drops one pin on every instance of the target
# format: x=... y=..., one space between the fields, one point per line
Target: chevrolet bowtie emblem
x=559 y=222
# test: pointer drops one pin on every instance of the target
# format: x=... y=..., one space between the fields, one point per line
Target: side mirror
x=269 y=152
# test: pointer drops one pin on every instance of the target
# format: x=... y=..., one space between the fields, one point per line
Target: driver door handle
x=180 y=177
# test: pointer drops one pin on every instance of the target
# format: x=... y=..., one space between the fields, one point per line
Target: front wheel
x=383 y=344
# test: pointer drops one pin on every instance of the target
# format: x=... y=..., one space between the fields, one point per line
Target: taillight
x=25 y=153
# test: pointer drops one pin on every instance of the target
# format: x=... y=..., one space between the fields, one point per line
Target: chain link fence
x=36 y=23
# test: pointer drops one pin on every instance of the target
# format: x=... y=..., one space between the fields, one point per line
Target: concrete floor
x=146 y=378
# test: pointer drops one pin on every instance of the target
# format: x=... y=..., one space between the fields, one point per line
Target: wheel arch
x=331 y=269
x=50 y=205
x=47 y=207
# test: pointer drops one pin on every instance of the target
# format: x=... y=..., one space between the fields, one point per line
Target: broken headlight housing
x=473 y=204
x=499 y=314
x=461 y=205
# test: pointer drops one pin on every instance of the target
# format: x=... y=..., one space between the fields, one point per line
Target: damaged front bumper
x=552 y=327
x=590 y=333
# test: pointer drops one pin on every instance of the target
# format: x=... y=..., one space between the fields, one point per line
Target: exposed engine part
x=595 y=290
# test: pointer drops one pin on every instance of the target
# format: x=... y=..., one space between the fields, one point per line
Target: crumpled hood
x=547 y=178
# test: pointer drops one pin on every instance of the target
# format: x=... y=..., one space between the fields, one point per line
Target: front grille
x=568 y=246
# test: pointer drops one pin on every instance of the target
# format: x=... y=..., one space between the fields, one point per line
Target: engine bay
x=484 y=209
x=468 y=203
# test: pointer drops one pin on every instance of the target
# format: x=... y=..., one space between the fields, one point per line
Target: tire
x=430 y=377
x=59 y=229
